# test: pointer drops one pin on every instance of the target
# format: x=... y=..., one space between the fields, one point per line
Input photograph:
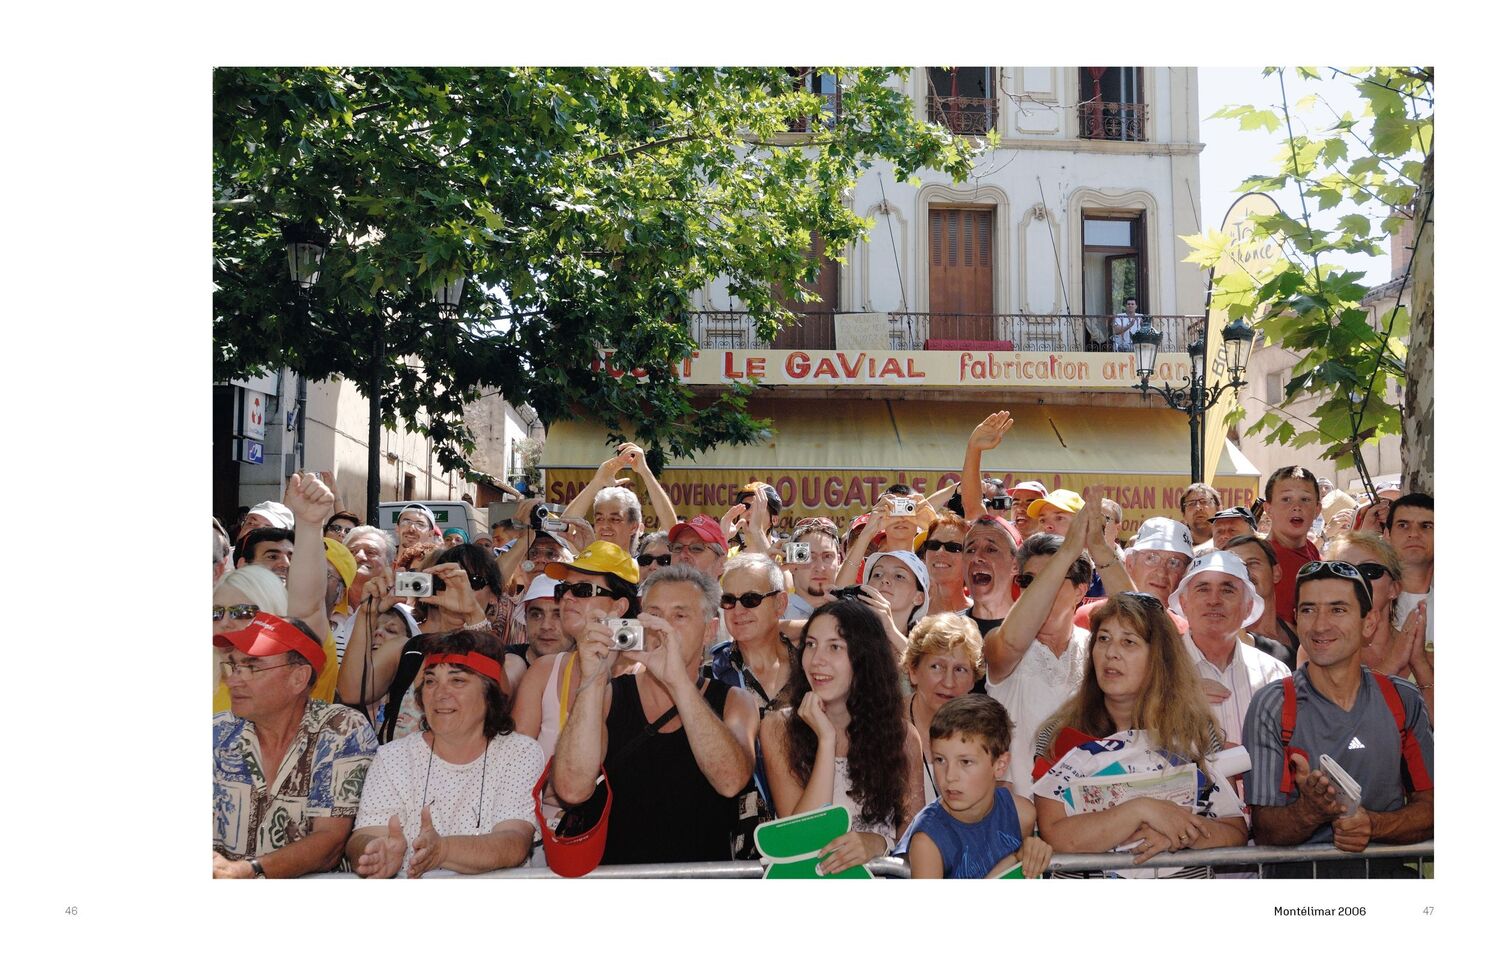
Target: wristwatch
x=255 y=867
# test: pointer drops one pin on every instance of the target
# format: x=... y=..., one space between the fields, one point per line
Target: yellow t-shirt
x=322 y=692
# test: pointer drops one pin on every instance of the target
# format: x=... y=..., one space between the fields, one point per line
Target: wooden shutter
x=961 y=273
x=814 y=329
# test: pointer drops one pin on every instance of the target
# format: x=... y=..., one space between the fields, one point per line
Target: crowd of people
x=982 y=676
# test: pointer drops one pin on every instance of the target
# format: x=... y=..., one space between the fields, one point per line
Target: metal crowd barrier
x=1238 y=859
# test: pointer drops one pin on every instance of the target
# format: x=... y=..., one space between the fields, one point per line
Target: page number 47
x=1428 y=910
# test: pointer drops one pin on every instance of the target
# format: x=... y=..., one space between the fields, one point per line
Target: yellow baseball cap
x=341 y=559
x=1065 y=499
x=600 y=558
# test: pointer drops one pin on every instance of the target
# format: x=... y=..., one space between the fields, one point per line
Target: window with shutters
x=961 y=272
x=814 y=326
x=962 y=98
x=823 y=85
x=1110 y=103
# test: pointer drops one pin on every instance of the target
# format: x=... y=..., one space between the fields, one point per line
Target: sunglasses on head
x=953 y=547
x=582 y=590
x=237 y=612
x=1343 y=570
x=664 y=560
x=750 y=600
x=1144 y=598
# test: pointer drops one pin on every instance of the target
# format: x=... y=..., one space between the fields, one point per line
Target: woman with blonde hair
x=1139 y=711
x=1390 y=651
x=944 y=659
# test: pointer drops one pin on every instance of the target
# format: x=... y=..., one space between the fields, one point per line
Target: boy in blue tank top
x=975 y=829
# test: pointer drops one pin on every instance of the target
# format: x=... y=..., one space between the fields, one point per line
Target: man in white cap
x=416 y=525
x=1220 y=602
x=1023 y=494
x=267 y=514
x=1163 y=548
x=544 y=631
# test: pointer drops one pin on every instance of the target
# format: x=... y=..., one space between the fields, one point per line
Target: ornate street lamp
x=448 y=295
x=1195 y=396
x=305 y=246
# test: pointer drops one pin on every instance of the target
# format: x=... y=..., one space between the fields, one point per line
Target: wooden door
x=961 y=270
x=814 y=326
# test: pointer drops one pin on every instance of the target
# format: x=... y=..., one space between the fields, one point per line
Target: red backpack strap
x=1288 y=723
x=1411 y=752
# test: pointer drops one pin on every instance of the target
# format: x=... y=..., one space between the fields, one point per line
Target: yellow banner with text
x=841 y=495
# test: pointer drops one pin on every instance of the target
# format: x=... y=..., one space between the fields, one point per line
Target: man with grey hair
x=617 y=518
x=630 y=456
x=690 y=742
x=759 y=658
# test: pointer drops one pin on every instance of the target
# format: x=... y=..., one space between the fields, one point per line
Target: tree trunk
x=1417 y=411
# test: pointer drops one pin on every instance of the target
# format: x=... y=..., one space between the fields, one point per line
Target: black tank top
x=664 y=809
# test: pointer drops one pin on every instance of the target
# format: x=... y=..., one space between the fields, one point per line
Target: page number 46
x=71 y=910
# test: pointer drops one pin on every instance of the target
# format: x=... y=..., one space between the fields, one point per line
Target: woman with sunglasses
x=1401 y=652
x=655 y=554
x=942 y=553
x=1141 y=699
x=847 y=742
x=238 y=596
x=458 y=795
x=470 y=582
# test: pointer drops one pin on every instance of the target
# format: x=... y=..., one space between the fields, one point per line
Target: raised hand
x=428 y=850
x=664 y=662
x=457 y=595
x=596 y=650
x=308 y=498
x=382 y=856
x=987 y=434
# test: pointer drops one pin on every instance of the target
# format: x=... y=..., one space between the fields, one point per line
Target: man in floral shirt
x=288 y=771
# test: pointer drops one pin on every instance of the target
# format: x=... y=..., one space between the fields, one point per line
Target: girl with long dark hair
x=847 y=742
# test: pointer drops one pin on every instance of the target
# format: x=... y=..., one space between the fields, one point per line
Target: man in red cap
x=288 y=771
x=700 y=543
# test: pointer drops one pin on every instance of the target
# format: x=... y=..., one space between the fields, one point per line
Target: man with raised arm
x=627 y=456
x=986 y=436
x=1035 y=660
x=1375 y=728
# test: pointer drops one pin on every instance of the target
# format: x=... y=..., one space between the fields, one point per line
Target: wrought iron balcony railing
x=1027 y=332
x=971 y=115
x=1102 y=120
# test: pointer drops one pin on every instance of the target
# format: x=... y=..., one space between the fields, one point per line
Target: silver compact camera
x=903 y=507
x=627 y=635
x=798 y=553
x=416 y=585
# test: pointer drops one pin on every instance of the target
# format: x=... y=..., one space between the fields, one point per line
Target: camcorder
x=417 y=585
x=626 y=635
x=847 y=592
x=547 y=517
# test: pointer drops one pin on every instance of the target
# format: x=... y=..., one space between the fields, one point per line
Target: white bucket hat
x=1165 y=534
x=1229 y=564
x=918 y=568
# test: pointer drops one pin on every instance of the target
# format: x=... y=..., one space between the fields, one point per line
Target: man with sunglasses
x=700 y=543
x=1219 y=602
x=599 y=584
x=674 y=795
x=1035 y=660
x=288 y=771
x=1375 y=727
x=339 y=525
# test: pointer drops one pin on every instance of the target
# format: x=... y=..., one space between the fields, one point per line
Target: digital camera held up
x=416 y=585
x=627 y=635
x=903 y=506
x=798 y=553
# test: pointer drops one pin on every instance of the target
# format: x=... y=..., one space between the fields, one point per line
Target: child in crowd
x=976 y=828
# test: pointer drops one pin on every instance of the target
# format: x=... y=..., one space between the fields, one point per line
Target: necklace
x=483 y=771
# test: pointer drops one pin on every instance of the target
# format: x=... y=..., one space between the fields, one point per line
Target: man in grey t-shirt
x=1342 y=711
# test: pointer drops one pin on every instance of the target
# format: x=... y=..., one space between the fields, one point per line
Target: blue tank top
x=969 y=851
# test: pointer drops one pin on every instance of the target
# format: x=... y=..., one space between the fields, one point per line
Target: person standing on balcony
x=1124 y=324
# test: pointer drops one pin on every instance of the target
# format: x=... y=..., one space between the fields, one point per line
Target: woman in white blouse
x=457 y=796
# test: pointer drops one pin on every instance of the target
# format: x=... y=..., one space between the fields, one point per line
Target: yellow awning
x=930 y=435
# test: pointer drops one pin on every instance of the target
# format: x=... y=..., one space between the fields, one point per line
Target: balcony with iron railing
x=1024 y=332
x=966 y=115
x=1102 y=120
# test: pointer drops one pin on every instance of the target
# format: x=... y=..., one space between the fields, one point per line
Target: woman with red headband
x=457 y=796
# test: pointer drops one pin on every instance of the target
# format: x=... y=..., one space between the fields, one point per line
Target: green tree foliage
x=1368 y=169
x=586 y=206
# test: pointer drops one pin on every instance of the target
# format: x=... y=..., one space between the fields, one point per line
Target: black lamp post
x=305 y=246
x=1195 y=396
x=448 y=295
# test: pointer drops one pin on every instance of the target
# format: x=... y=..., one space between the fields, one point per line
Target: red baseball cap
x=707 y=528
x=269 y=634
